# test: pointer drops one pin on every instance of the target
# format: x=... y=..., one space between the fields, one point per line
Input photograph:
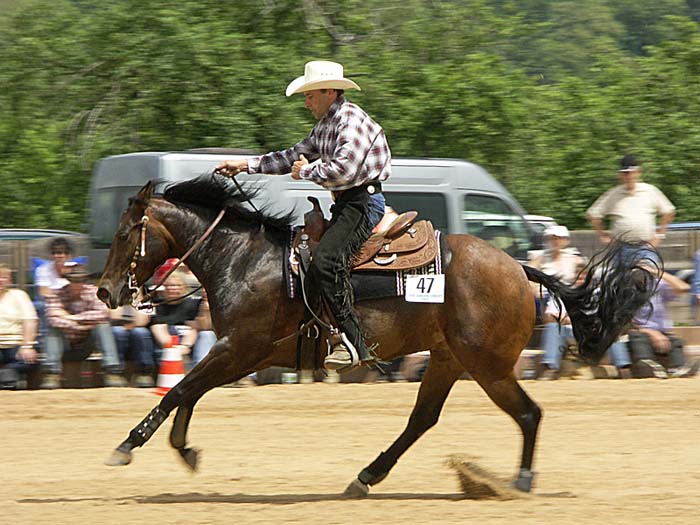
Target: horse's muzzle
x=112 y=300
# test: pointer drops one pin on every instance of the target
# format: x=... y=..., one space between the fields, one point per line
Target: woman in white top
x=18 y=326
x=558 y=259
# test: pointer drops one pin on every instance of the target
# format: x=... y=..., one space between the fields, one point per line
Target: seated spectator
x=135 y=343
x=177 y=315
x=557 y=259
x=205 y=332
x=18 y=329
x=656 y=351
x=79 y=322
x=49 y=276
x=556 y=339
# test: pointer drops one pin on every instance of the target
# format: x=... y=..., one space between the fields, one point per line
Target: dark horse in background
x=486 y=320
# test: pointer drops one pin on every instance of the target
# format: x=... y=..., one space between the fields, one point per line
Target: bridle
x=145 y=302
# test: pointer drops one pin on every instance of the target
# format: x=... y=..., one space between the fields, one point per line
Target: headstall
x=145 y=302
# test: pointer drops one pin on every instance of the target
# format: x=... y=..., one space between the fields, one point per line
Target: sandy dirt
x=610 y=451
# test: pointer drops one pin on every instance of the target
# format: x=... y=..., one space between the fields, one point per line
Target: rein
x=247 y=199
x=146 y=301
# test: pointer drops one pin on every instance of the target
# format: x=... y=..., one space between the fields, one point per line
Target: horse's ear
x=146 y=192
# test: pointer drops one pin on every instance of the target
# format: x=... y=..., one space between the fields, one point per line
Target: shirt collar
x=334 y=108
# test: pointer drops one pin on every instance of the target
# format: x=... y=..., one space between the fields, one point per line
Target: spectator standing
x=78 y=321
x=633 y=208
x=653 y=342
x=18 y=330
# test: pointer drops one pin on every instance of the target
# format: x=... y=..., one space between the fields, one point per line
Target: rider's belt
x=373 y=188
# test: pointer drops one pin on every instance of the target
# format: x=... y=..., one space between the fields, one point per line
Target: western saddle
x=398 y=244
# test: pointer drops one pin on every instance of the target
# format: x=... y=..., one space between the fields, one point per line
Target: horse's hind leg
x=442 y=372
x=513 y=400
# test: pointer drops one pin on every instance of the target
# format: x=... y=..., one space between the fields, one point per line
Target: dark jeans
x=8 y=361
x=136 y=345
x=641 y=348
x=330 y=268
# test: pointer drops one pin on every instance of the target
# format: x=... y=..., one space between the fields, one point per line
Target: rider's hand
x=296 y=167
x=231 y=168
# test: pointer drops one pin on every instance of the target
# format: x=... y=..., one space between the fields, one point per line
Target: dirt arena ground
x=610 y=451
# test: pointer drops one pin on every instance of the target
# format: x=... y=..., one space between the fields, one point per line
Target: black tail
x=619 y=281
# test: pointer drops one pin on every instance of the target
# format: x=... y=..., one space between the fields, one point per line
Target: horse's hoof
x=118 y=459
x=356 y=489
x=190 y=456
x=524 y=481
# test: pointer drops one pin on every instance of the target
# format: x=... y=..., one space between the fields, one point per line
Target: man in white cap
x=354 y=158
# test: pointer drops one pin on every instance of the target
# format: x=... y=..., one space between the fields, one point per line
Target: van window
x=492 y=219
x=430 y=206
x=106 y=211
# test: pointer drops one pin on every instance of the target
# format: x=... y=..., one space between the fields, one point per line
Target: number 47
x=422 y=284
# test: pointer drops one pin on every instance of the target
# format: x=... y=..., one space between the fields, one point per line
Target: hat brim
x=299 y=85
x=628 y=169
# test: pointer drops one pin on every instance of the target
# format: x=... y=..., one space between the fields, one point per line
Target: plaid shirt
x=69 y=315
x=352 y=148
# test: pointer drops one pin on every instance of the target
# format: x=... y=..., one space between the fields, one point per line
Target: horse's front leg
x=140 y=434
x=216 y=369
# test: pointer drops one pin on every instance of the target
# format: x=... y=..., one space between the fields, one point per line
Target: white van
x=457 y=196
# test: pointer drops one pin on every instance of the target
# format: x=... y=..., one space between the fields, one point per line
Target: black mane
x=214 y=192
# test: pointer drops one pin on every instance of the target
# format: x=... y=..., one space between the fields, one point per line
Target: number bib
x=425 y=288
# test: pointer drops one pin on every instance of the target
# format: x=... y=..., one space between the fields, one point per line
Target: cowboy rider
x=354 y=160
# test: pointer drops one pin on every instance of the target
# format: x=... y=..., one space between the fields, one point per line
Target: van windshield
x=493 y=220
x=106 y=210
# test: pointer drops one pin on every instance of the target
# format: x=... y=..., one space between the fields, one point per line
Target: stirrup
x=342 y=343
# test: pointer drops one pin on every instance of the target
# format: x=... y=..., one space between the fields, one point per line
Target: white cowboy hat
x=321 y=74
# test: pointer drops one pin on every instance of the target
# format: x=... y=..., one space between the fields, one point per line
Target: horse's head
x=138 y=248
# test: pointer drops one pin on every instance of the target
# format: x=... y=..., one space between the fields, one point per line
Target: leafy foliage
x=546 y=95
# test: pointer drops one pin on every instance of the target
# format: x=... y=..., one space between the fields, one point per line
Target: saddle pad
x=369 y=285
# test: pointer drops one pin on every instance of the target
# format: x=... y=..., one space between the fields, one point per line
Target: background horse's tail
x=618 y=282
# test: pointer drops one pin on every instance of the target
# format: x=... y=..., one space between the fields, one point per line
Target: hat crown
x=628 y=163
x=322 y=70
x=320 y=74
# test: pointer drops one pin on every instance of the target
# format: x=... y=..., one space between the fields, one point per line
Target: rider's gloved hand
x=231 y=168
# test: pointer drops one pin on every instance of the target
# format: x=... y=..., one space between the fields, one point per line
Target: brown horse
x=486 y=320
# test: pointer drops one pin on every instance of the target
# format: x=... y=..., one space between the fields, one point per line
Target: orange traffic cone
x=172 y=369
